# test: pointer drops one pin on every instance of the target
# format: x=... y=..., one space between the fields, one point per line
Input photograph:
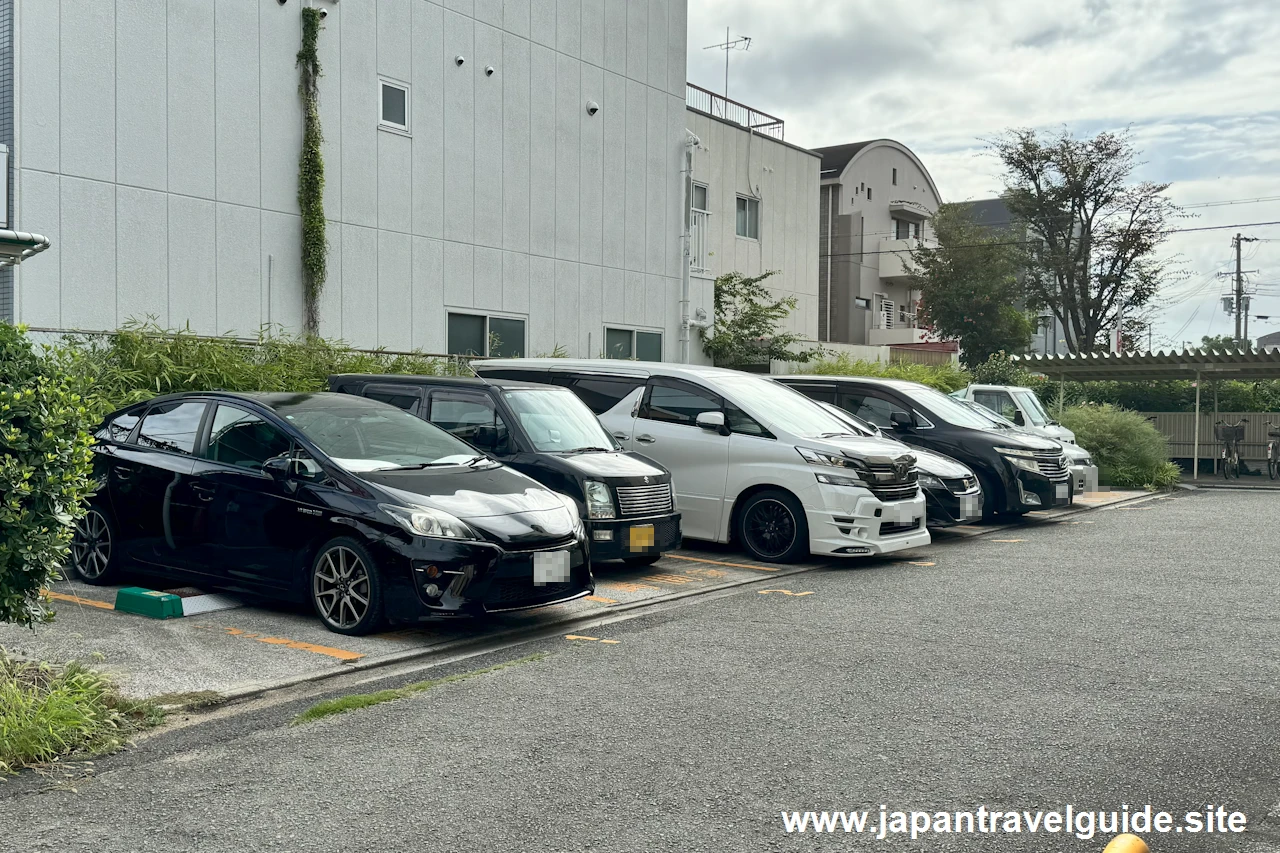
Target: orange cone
x=1126 y=843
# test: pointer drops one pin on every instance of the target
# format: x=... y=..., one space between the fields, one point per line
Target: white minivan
x=752 y=461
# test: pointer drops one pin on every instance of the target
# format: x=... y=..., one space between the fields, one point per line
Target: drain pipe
x=691 y=142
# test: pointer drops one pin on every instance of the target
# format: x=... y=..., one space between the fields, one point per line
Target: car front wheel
x=346 y=589
x=772 y=528
x=93 y=548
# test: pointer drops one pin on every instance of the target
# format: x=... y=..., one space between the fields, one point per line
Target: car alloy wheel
x=345 y=590
x=91 y=546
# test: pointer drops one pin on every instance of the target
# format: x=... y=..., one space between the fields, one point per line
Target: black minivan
x=547 y=433
x=1019 y=473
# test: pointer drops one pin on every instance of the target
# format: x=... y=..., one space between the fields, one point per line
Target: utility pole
x=1239 y=301
x=1239 y=289
x=742 y=43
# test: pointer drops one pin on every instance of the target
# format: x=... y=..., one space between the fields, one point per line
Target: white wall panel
x=615 y=36
x=237 y=141
x=280 y=108
x=282 y=274
x=394 y=32
x=193 y=259
x=488 y=130
x=638 y=40
x=657 y=177
x=613 y=296
x=39 y=286
x=635 y=300
x=239 y=249
x=590 y=310
x=515 y=283
x=490 y=12
x=637 y=139
x=566 y=308
x=88 y=253
x=459 y=130
x=515 y=144
x=569 y=112
x=464 y=7
x=569 y=27
x=142 y=151
x=591 y=186
x=488 y=279
x=542 y=151
x=360 y=107
x=614 y=195
x=191 y=100
x=142 y=243
x=677 y=47
x=542 y=305
x=360 y=285
x=515 y=17
x=429 y=65
x=593 y=32
x=87 y=88
x=428 y=295
x=542 y=22
x=37 y=25
x=395 y=182
x=656 y=293
x=395 y=290
x=659 y=31
x=331 y=298
x=459 y=275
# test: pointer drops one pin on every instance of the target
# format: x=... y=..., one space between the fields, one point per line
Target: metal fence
x=730 y=110
x=1180 y=427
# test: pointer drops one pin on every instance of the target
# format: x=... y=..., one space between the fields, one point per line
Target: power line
x=1229 y=202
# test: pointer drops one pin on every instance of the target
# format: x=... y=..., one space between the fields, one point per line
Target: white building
x=875 y=205
x=515 y=162
x=755 y=205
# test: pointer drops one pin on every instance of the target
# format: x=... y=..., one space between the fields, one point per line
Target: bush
x=944 y=377
x=47 y=712
x=1128 y=450
x=45 y=464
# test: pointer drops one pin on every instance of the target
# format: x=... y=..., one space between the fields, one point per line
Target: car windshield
x=375 y=436
x=785 y=408
x=556 y=421
x=1031 y=405
x=856 y=423
x=947 y=408
x=997 y=420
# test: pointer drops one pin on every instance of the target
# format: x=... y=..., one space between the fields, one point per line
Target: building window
x=895 y=177
x=495 y=337
x=868 y=193
x=905 y=229
x=748 y=218
x=862 y=303
x=395 y=106
x=630 y=343
x=700 y=198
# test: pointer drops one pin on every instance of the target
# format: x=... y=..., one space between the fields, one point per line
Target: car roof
x=901 y=384
x=409 y=379
x=269 y=399
x=610 y=366
x=981 y=386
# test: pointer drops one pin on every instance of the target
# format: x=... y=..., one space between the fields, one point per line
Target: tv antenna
x=729 y=45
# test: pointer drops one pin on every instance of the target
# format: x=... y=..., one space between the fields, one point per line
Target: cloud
x=1195 y=81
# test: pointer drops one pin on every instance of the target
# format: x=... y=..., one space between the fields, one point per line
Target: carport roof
x=17 y=246
x=1148 y=366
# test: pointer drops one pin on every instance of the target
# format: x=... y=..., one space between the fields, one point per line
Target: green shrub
x=1128 y=450
x=45 y=464
x=47 y=712
x=944 y=377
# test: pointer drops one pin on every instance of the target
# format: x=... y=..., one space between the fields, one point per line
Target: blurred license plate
x=640 y=538
x=550 y=567
x=969 y=507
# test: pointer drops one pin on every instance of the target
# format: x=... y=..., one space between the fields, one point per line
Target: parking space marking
x=601 y=599
x=667 y=577
x=720 y=563
x=1008 y=540
x=918 y=562
x=75 y=599
x=627 y=586
x=786 y=592
x=580 y=637
x=339 y=654
x=610 y=642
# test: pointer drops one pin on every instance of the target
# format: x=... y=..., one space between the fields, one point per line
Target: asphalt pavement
x=1120 y=658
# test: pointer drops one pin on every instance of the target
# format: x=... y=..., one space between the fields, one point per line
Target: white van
x=752 y=461
x=1019 y=405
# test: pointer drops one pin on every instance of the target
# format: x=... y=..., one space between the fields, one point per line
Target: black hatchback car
x=1018 y=473
x=366 y=511
x=548 y=433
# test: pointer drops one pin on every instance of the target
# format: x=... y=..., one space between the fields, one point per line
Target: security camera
x=282 y=2
x=324 y=13
x=458 y=60
x=488 y=70
x=592 y=108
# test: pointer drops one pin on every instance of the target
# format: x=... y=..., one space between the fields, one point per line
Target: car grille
x=543 y=545
x=644 y=500
x=898 y=492
x=889 y=528
x=961 y=485
x=1052 y=464
x=888 y=485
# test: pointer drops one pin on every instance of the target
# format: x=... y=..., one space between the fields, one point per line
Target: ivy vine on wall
x=315 y=244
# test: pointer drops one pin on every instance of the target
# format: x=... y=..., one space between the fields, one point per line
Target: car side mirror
x=901 y=420
x=279 y=467
x=712 y=421
x=1019 y=419
x=485 y=438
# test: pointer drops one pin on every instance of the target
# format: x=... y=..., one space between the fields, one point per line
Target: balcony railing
x=699 y=222
x=721 y=107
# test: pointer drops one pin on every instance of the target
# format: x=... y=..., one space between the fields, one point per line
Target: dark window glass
x=895 y=177
x=742 y=423
x=118 y=428
x=601 y=395
x=172 y=426
x=466 y=334
x=618 y=343
x=470 y=417
x=406 y=399
x=997 y=401
x=817 y=392
x=243 y=439
x=395 y=109
x=506 y=338
x=678 y=405
x=875 y=410
x=649 y=346
x=868 y=193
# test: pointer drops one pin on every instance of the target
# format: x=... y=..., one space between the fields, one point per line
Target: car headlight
x=818 y=457
x=838 y=480
x=928 y=481
x=1024 y=459
x=424 y=521
x=1016 y=451
x=599 y=500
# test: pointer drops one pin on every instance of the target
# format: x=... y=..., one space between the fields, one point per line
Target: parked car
x=548 y=433
x=752 y=461
x=1018 y=405
x=1018 y=472
x=1084 y=474
x=359 y=507
x=952 y=493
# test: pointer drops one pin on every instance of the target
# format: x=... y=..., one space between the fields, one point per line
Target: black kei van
x=549 y=434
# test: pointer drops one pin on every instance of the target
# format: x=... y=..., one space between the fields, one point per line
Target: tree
x=746 y=324
x=1224 y=342
x=1093 y=232
x=45 y=464
x=970 y=288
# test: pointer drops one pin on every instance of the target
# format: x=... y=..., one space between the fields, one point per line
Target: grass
x=50 y=711
x=356 y=701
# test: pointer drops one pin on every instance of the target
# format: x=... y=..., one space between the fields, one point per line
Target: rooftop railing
x=722 y=107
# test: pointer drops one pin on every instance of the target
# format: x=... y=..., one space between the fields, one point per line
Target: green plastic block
x=149 y=602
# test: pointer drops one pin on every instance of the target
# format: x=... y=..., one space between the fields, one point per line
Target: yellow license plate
x=640 y=538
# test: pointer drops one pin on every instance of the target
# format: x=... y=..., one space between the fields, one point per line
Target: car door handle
x=123 y=472
x=203 y=492
x=645 y=438
x=621 y=436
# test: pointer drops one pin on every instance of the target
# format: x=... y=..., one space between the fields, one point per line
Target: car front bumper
x=1036 y=491
x=848 y=521
x=946 y=508
x=1084 y=478
x=615 y=539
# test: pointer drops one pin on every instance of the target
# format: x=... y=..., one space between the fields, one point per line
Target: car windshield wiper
x=838 y=434
x=588 y=450
x=417 y=467
x=476 y=460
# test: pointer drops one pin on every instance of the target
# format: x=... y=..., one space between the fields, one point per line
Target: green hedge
x=944 y=377
x=1128 y=450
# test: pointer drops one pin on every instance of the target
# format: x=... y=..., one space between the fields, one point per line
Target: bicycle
x=1230 y=435
x=1273 y=450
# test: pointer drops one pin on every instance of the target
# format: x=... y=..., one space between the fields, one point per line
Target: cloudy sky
x=1198 y=81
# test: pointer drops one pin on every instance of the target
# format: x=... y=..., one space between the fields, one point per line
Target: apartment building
x=875 y=203
x=504 y=173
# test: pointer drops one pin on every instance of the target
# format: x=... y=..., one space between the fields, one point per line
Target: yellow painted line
x=610 y=642
x=667 y=577
x=627 y=586
x=785 y=592
x=75 y=599
x=601 y=600
x=965 y=527
x=327 y=651
x=917 y=563
x=578 y=637
x=720 y=563
x=1008 y=540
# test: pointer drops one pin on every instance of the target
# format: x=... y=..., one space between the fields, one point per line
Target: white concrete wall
x=732 y=161
x=160 y=156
